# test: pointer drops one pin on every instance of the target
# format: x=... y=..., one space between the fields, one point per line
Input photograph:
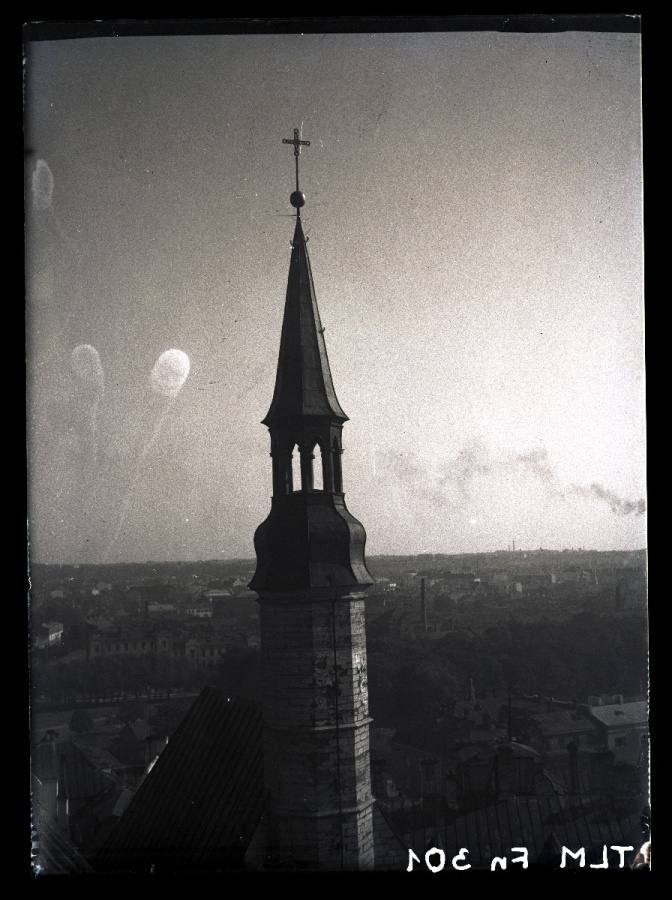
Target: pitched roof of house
x=562 y=721
x=81 y=779
x=137 y=730
x=200 y=804
x=541 y=824
x=635 y=713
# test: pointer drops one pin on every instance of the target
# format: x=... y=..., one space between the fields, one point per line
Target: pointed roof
x=303 y=385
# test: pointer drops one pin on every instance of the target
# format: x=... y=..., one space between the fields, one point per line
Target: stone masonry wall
x=316 y=731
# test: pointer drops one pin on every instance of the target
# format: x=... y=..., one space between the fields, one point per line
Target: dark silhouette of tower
x=311 y=577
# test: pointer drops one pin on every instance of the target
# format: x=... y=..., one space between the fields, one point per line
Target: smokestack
x=423 y=605
x=514 y=546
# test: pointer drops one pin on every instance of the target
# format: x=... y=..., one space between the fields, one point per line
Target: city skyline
x=474 y=216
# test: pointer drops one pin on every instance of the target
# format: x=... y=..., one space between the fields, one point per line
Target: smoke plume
x=618 y=505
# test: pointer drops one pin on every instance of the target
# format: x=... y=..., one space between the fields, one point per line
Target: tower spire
x=303 y=384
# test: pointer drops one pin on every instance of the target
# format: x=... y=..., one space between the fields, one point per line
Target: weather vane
x=297 y=198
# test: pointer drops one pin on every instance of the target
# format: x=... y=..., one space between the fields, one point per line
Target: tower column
x=316 y=729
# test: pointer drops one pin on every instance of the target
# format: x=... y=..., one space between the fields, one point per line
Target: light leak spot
x=86 y=365
x=170 y=373
x=42 y=185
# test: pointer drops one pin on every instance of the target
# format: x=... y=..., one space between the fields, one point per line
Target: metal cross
x=297 y=149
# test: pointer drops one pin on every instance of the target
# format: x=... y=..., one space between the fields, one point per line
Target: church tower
x=311 y=579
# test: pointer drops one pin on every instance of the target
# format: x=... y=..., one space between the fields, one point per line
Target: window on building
x=125 y=646
x=620 y=742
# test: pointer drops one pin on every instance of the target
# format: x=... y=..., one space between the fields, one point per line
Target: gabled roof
x=99 y=757
x=618 y=714
x=562 y=721
x=137 y=730
x=199 y=806
x=303 y=385
x=81 y=779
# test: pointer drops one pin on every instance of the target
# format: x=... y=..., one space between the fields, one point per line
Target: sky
x=474 y=216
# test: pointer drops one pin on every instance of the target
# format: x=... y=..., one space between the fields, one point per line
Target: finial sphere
x=297 y=199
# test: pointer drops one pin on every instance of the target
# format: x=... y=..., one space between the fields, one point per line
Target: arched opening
x=282 y=468
x=296 y=469
x=318 y=467
x=336 y=459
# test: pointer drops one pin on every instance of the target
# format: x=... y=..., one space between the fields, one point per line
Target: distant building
x=556 y=729
x=624 y=729
x=49 y=634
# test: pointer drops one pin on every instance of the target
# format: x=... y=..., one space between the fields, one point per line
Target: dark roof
x=82 y=780
x=137 y=730
x=44 y=759
x=199 y=806
x=562 y=721
x=53 y=853
x=475 y=709
x=303 y=385
x=541 y=824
